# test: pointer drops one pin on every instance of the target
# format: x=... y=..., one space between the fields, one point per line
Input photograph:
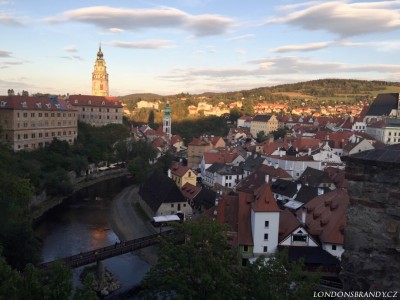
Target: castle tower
x=167 y=120
x=100 y=76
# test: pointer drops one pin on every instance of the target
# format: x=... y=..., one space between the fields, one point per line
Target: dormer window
x=90 y=102
x=76 y=101
x=39 y=105
x=58 y=106
x=48 y=105
x=103 y=103
x=3 y=104
x=24 y=105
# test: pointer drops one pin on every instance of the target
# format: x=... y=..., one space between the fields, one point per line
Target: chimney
x=276 y=165
x=266 y=178
x=303 y=215
x=320 y=191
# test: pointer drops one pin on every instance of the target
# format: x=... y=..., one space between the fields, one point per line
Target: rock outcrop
x=371 y=260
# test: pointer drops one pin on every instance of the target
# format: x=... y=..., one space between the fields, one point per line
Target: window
x=302 y=238
x=265 y=249
x=172 y=205
x=245 y=248
x=266 y=236
x=32 y=115
x=333 y=247
x=25 y=115
x=266 y=223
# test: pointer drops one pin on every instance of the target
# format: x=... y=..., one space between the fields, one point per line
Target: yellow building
x=181 y=175
x=97 y=110
x=266 y=123
x=33 y=122
x=100 y=76
x=198 y=146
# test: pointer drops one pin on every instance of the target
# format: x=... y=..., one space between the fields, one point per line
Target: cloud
x=7 y=64
x=71 y=48
x=289 y=68
x=343 y=18
x=5 y=53
x=302 y=48
x=240 y=51
x=241 y=37
x=149 y=44
x=382 y=46
x=116 y=30
x=9 y=20
x=106 y=17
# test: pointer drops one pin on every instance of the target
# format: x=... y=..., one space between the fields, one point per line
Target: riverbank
x=40 y=209
x=128 y=224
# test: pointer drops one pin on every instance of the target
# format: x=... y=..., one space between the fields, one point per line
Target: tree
x=200 y=268
x=150 y=120
x=86 y=292
x=278 y=279
x=16 y=235
x=261 y=136
x=198 y=262
x=279 y=133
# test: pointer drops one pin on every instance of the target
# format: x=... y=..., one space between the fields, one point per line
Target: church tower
x=100 y=76
x=167 y=120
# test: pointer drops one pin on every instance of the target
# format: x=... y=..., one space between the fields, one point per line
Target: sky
x=194 y=46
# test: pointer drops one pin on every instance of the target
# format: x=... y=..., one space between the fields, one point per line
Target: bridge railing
x=88 y=257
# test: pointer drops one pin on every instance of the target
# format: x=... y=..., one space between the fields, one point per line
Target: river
x=82 y=226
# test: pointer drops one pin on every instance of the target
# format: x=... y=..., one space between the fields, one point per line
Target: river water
x=83 y=226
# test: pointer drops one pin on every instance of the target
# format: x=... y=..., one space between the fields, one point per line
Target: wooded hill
x=322 y=89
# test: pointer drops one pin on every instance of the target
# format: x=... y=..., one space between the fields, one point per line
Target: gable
x=158 y=189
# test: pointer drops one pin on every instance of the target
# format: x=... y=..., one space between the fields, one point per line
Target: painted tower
x=100 y=76
x=167 y=120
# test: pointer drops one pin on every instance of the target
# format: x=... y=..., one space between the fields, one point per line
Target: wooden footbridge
x=96 y=255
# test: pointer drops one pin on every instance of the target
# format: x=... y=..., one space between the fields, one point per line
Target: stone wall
x=371 y=260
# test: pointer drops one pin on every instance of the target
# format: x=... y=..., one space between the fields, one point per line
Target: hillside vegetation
x=322 y=88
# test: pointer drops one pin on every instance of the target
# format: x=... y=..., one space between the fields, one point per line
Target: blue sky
x=169 y=47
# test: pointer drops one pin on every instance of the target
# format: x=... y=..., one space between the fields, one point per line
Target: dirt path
x=128 y=225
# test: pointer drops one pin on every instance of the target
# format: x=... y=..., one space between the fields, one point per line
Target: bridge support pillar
x=100 y=273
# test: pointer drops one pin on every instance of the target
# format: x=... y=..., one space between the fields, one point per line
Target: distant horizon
x=211 y=92
x=195 y=46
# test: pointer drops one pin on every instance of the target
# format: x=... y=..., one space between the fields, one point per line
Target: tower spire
x=100 y=76
x=167 y=120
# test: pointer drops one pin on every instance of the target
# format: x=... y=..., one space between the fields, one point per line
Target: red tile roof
x=257 y=178
x=35 y=103
x=326 y=216
x=264 y=200
x=89 y=100
x=245 y=236
x=219 y=157
x=179 y=170
x=287 y=224
x=189 y=191
x=227 y=211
